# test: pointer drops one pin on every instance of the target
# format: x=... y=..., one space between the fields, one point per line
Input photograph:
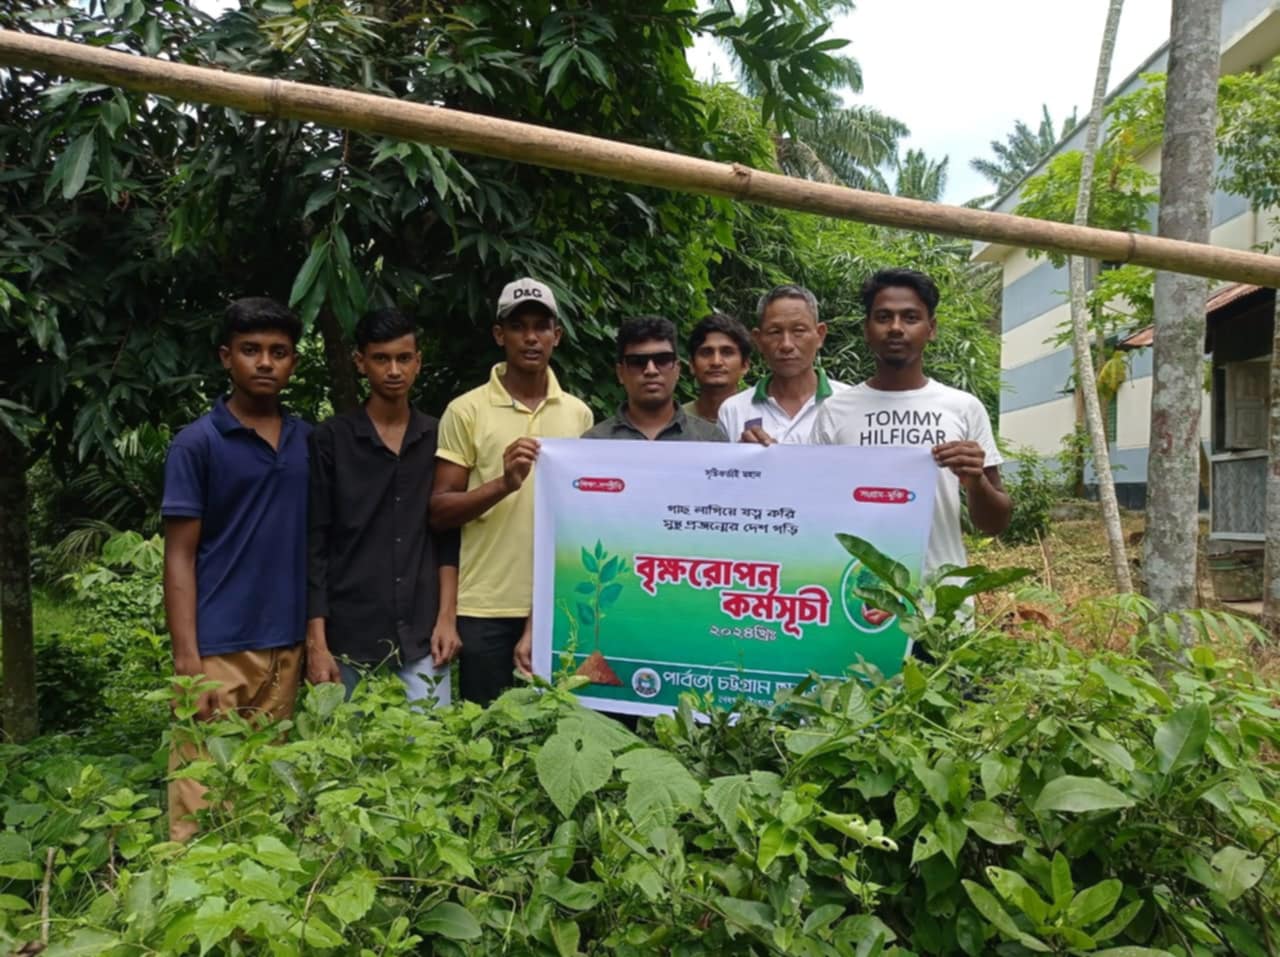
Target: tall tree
x=1086 y=380
x=1022 y=150
x=1187 y=158
x=845 y=145
x=920 y=177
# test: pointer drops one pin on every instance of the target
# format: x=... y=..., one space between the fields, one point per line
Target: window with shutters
x=1246 y=387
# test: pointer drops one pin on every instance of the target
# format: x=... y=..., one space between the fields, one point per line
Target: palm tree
x=1022 y=150
x=920 y=177
x=845 y=145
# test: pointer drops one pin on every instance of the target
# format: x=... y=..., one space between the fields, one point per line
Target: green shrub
x=1015 y=797
x=1034 y=488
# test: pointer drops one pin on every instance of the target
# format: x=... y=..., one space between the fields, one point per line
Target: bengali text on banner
x=669 y=567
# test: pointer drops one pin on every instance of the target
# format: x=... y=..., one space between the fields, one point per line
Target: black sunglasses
x=639 y=361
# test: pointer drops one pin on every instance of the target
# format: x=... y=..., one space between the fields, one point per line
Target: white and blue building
x=1037 y=404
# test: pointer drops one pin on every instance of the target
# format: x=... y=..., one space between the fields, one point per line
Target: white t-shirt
x=927 y=416
x=756 y=406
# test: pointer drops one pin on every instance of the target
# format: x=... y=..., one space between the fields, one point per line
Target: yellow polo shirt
x=495 y=570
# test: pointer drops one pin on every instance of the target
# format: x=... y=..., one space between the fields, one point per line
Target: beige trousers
x=252 y=683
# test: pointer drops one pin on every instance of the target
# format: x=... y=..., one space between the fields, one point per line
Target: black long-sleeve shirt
x=373 y=564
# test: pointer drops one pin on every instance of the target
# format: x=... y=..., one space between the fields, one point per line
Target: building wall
x=1036 y=410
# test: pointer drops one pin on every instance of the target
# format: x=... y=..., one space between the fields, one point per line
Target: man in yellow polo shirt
x=486 y=450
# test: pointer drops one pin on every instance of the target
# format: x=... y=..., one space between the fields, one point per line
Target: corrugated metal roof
x=1218 y=301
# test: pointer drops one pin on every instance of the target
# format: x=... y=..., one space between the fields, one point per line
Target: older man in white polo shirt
x=782 y=406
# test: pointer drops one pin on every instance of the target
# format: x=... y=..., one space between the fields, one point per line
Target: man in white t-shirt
x=900 y=405
x=781 y=407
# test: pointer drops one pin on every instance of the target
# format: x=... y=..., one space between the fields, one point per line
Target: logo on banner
x=883 y=496
x=646 y=683
x=870 y=621
x=586 y=484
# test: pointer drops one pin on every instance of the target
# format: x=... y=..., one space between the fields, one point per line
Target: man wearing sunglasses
x=648 y=369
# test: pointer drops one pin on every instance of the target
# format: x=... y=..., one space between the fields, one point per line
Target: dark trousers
x=487 y=664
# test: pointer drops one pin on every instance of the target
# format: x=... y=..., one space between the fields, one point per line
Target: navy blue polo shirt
x=251 y=566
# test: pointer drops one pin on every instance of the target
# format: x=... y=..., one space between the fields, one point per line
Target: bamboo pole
x=573 y=152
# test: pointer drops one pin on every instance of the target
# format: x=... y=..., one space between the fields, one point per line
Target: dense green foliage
x=1015 y=796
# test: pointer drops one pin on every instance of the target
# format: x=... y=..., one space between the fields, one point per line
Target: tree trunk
x=18 y=694
x=344 y=391
x=1086 y=379
x=1186 y=191
x=1271 y=562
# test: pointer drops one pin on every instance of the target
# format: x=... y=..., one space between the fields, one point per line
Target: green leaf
x=212 y=923
x=589 y=562
x=776 y=840
x=84 y=943
x=1060 y=881
x=271 y=852
x=306 y=277
x=79 y=159
x=565 y=934
x=1109 y=751
x=450 y=920
x=570 y=894
x=1131 y=952
x=1078 y=795
x=926 y=845
x=1014 y=888
x=318 y=933
x=999 y=774
x=1119 y=922
x=570 y=766
x=1235 y=871
x=21 y=871
x=610 y=570
x=585 y=614
x=935 y=782
x=892 y=574
x=745 y=913
x=991 y=823
x=659 y=787
x=1094 y=903
x=609 y=594
x=724 y=796
x=1179 y=741
x=352 y=897
x=990 y=908
x=951 y=834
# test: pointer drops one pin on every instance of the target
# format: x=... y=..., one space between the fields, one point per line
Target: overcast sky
x=961 y=74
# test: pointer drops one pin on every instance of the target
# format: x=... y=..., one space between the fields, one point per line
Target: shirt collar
x=679 y=421
x=824 y=389
x=365 y=428
x=225 y=421
x=498 y=394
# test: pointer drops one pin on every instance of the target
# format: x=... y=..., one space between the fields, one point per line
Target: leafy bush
x=1035 y=489
x=1015 y=797
x=94 y=676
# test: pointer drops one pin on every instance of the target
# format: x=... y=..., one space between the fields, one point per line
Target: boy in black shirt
x=382 y=588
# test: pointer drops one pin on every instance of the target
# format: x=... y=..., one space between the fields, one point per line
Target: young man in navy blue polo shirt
x=235 y=522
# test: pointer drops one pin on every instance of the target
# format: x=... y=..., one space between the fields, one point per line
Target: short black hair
x=726 y=325
x=383 y=325
x=645 y=329
x=259 y=314
x=918 y=282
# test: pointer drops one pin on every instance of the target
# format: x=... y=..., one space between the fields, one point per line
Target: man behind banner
x=648 y=368
x=900 y=405
x=719 y=355
x=488 y=444
x=782 y=406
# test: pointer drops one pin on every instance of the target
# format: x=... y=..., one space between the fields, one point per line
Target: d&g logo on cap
x=586 y=484
x=883 y=496
x=521 y=293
